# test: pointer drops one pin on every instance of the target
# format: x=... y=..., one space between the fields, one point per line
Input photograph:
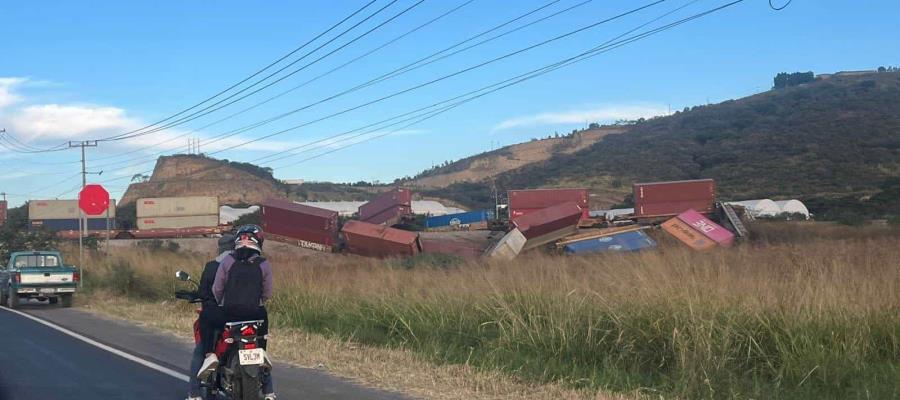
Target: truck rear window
x=36 y=261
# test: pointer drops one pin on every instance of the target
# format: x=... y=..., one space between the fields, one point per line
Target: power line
x=249 y=77
x=207 y=111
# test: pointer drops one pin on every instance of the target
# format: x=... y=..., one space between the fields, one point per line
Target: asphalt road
x=40 y=362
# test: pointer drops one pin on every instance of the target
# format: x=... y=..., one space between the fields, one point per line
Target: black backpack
x=244 y=288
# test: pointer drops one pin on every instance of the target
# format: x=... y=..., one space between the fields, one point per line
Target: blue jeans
x=197 y=362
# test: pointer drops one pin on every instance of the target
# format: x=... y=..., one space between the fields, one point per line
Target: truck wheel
x=53 y=300
x=12 y=301
x=66 y=300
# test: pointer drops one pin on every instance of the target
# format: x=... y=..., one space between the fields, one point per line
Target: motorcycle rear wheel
x=246 y=386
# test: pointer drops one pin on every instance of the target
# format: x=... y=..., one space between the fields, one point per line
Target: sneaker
x=270 y=396
x=210 y=363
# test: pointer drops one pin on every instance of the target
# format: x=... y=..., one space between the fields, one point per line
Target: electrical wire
x=772 y=5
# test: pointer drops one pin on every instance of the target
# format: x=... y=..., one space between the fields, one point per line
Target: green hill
x=834 y=143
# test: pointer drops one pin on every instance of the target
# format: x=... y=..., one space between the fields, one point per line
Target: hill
x=831 y=142
x=194 y=175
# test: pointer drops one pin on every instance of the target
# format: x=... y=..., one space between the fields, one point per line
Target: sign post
x=92 y=200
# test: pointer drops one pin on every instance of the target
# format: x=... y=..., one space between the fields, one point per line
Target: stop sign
x=93 y=200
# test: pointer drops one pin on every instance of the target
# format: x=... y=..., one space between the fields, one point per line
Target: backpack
x=244 y=288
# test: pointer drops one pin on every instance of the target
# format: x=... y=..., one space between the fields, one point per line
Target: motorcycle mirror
x=181 y=275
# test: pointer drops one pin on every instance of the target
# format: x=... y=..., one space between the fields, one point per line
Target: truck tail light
x=76 y=277
x=18 y=277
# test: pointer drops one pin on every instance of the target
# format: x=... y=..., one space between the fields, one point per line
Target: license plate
x=48 y=290
x=252 y=356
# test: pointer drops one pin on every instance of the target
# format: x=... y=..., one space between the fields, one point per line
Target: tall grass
x=781 y=318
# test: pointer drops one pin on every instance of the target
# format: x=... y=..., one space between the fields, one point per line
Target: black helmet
x=249 y=237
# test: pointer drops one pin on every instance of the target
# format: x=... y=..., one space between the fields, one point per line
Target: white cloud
x=600 y=114
x=56 y=121
x=7 y=96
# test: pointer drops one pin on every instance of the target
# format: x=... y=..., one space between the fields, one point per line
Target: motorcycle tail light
x=248 y=331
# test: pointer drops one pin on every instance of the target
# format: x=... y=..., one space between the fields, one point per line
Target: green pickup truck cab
x=38 y=275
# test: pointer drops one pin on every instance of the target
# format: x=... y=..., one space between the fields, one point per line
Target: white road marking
x=92 y=342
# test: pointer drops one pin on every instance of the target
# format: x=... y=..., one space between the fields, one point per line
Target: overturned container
x=668 y=199
x=522 y=202
x=305 y=226
x=688 y=235
x=628 y=241
x=707 y=227
x=371 y=240
x=472 y=220
x=548 y=225
x=387 y=208
x=508 y=247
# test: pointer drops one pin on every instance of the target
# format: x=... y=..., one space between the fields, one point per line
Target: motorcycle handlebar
x=190 y=295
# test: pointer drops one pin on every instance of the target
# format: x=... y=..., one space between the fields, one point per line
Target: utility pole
x=82 y=220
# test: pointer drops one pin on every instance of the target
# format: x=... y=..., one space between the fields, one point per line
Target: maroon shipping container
x=522 y=202
x=459 y=248
x=662 y=199
x=3 y=206
x=372 y=240
x=562 y=217
x=310 y=227
x=391 y=216
x=384 y=201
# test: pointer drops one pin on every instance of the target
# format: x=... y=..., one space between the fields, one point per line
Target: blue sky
x=91 y=69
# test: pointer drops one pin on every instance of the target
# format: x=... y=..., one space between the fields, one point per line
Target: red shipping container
x=372 y=240
x=300 y=222
x=708 y=228
x=549 y=220
x=459 y=248
x=522 y=202
x=384 y=201
x=3 y=212
x=390 y=216
x=662 y=199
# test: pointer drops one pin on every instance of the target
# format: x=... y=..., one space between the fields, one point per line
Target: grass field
x=805 y=311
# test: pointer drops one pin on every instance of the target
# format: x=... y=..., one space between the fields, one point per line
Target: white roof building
x=759 y=207
x=348 y=208
x=793 y=206
x=228 y=214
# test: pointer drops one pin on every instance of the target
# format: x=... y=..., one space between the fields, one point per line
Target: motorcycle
x=242 y=360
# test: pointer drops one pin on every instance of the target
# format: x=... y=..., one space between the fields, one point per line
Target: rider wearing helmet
x=242 y=285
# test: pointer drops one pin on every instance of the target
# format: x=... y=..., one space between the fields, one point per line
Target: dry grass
x=808 y=311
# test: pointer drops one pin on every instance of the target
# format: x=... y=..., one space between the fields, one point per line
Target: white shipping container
x=61 y=209
x=191 y=221
x=177 y=206
x=508 y=247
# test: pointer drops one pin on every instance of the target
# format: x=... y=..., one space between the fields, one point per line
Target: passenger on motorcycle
x=211 y=315
x=242 y=285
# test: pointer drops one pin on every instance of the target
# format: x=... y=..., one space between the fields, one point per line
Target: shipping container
x=466 y=218
x=306 y=226
x=666 y=199
x=522 y=202
x=71 y=224
x=549 y=220
x=177 y=206
x=365 y=239
x=62 y=209
x=190 y=221
x=634 y=240
x=3 y=211
x=508 y=247
x=708 y=228
x=453 y=247
x=384 y=201
x=688 y=235
x=391 y=216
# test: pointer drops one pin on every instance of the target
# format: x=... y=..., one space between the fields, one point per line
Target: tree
x=784 y=79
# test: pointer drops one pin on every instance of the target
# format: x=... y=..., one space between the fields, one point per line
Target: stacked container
x=63 y=215
x=522 y=202
x=387 y=208
x=371 y=240
x=667 y=199
x=306 y=226
x=471 y=220
x=177 y=212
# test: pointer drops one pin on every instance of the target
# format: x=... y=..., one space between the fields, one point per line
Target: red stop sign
x=93 y=200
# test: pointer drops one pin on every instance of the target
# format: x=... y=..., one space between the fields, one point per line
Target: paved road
x=39 y=362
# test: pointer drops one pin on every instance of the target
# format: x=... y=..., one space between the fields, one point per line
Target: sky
x=91 y=70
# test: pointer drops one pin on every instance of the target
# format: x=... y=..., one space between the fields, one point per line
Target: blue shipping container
x=625 y=241
x=94 y=224
x=465 y=218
